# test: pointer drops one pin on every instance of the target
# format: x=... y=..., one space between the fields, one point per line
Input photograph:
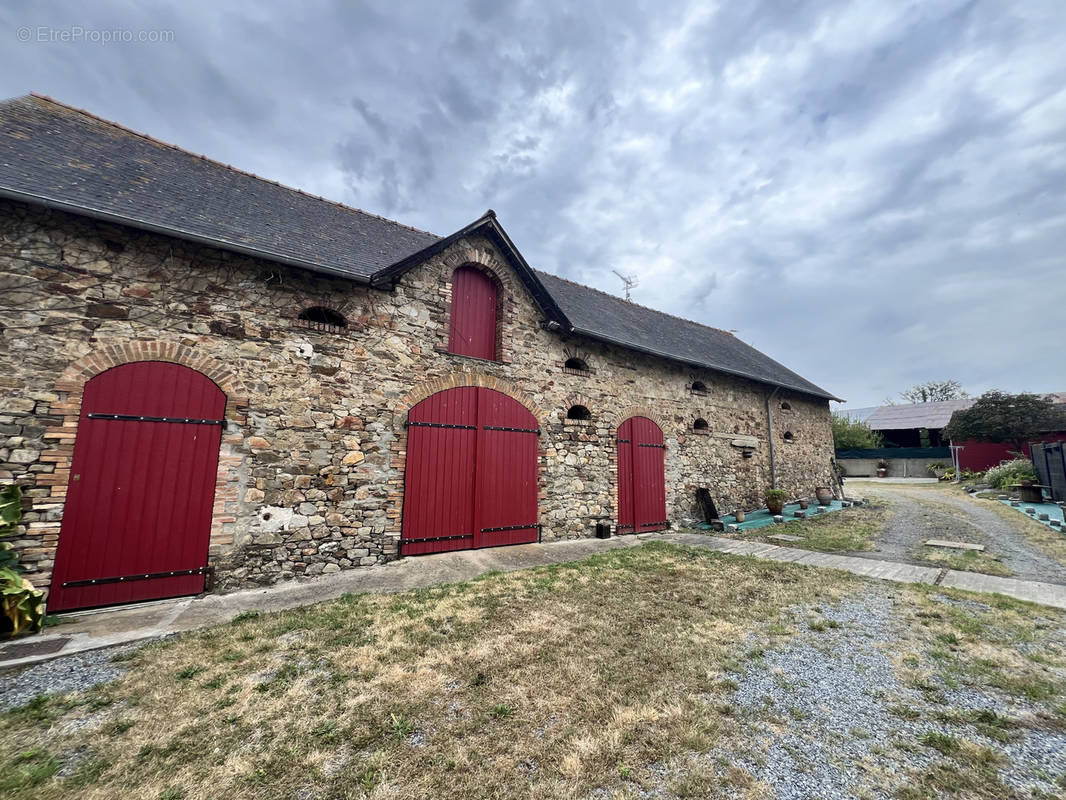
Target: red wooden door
x=473 y=315
x=641 y=476
x=471 y=476
x=138 y=514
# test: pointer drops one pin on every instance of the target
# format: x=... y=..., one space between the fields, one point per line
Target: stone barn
x=210 y=378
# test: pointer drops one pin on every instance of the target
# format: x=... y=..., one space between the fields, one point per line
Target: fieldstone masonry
x=310 y=475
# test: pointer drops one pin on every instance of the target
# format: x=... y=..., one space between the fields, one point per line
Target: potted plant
x=775 y=500
x=937 y=469
x=882 y=468
x=824 y=496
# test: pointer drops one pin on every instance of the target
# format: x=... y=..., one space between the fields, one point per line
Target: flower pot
x=739 y=516
x=825 y=497
x=804 y=504
x=775 y=507
x=881 y=472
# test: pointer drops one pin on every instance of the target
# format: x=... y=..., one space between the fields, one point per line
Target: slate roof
x=72 y=158
x=66 y=158
x=604 y=316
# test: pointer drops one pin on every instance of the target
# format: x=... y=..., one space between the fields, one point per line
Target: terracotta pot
x=739 y=515
x=825 y=497
x=804 y=504
x=775 y=507
x=881 y=472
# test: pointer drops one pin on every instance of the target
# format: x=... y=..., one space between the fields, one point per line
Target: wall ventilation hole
x=578 y=412
x=786 y=406
x=700 y=425
x=789 y=437
x=576 y=366
x=320 y=318
x=699 y=387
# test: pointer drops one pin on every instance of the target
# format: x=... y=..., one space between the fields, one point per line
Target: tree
x=934 y=391
x=1001 y=417
x=854 y=435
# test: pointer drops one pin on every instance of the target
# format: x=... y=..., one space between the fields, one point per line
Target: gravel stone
x=73 y=673
x=820 y=710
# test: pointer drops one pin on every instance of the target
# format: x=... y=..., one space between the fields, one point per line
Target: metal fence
x=1050 y=462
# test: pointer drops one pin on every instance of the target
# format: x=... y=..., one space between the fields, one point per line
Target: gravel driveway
x=933 y=513
x=831 y=714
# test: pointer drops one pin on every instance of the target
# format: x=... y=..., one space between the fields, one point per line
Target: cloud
x=871 y=193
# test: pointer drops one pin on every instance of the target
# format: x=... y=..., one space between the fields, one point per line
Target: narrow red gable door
x=641 y=476
x=137 y=519
x=473 y=314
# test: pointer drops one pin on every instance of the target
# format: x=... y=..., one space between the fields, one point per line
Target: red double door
x=641 y=476
x=471 y=475
x=137 y=519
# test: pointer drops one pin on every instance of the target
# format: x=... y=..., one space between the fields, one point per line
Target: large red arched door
x=641 y=476
x=471 y=476
x=138 y=514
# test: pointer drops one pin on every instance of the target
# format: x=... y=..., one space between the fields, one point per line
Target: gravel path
x=72 y=673
x=825 y=720
x=920 y=514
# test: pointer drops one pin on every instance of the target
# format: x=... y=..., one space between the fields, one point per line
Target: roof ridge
x=223 y=164
x=638 y=305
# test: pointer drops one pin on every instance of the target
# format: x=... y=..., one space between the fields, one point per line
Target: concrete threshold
x=125 y=625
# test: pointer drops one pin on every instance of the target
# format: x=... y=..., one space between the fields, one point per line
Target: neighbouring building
x=203 y=372
x=913 y=439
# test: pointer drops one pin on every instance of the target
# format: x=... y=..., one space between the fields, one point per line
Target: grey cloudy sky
x=873 y=193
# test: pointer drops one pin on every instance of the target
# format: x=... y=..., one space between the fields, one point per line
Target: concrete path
x=110 y=627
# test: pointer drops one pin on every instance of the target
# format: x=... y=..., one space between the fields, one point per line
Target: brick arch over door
x=137 y=520
x=471 y=477
x=641 y=476
x=70 y=386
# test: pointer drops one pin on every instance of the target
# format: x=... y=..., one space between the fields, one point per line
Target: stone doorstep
x=954 y=545
x=787 y=537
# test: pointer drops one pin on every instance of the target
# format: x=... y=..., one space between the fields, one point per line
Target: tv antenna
x=629 y=280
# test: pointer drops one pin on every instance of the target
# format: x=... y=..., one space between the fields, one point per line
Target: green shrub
x=849 y=435
x=22 y=604
x=1010 y=472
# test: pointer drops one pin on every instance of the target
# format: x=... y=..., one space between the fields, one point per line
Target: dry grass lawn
x=603 y=678
x=550 y=682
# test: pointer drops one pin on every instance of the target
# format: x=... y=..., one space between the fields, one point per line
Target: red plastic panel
x=641 y=476
x=473 y=317
x=471 y=465
x=140 y=495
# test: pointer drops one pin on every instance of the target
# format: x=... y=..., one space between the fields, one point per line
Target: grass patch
x=1042 y=537
x=594 y=672
x=853 y=529
x=964 y=560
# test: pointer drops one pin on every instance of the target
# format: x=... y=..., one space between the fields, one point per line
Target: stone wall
x=311 y=471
